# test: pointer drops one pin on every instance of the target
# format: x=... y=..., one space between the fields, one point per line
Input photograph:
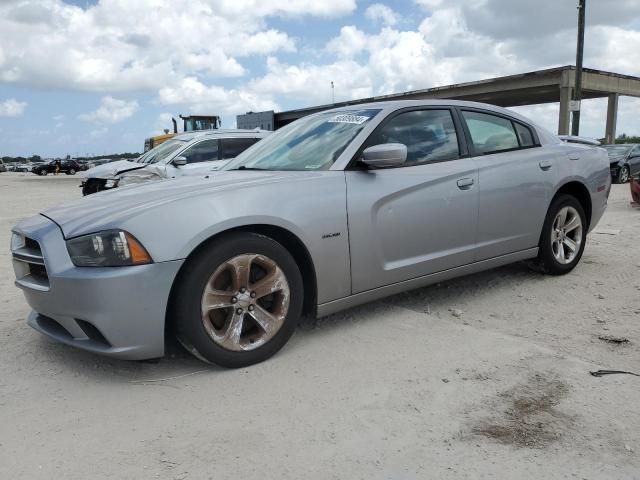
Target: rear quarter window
x=524 y=135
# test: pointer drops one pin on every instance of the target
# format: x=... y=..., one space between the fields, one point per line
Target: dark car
x=70 y=167
x=624 y=161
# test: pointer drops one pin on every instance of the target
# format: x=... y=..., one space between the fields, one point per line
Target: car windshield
x=617 y=150
x=311 y=143
x=162 y=151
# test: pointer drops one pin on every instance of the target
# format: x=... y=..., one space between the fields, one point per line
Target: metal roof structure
x=531 y=88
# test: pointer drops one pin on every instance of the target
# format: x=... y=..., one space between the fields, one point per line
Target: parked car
x=186 y=154
x=84 y=165
x=70 y=167
x=23 y=167
x=624 y=161
x=3 y=168
x=336 y=209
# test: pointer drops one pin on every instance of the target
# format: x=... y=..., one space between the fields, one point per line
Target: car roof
x=397 y=104
x=223 y=133
x=544 y=135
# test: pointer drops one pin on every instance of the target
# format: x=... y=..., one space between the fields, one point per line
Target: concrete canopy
x=542 y=86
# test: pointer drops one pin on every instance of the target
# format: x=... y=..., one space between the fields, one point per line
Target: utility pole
x=333 y=96
x=577 y=92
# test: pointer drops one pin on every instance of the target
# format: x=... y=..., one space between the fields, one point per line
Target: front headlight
x=111 y=248
x=111 y=183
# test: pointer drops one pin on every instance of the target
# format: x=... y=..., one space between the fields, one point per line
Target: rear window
x=232 y=147
x=524 y=135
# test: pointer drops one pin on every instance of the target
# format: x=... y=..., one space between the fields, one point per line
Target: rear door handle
x=465 y=183
x=545 y=164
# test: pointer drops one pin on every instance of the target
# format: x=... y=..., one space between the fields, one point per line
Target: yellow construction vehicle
x=191 y=123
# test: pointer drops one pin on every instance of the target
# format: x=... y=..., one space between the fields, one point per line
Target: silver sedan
x=336 y=209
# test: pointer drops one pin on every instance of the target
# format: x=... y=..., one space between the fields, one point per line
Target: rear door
x=516 y=181
x=419 y=218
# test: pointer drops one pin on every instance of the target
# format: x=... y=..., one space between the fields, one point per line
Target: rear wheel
x=623 y=174
x=239 y=301
x=563 y=236
x=72 y=171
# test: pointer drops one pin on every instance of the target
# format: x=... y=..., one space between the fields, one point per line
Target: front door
x=417 y=219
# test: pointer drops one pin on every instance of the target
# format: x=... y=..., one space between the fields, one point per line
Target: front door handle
x=465 y=183
x=545 y=164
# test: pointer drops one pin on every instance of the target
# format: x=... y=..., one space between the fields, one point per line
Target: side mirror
x=385 y=155
x=179 y=161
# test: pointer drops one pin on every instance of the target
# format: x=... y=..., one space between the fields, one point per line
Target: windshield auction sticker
x=355 y=119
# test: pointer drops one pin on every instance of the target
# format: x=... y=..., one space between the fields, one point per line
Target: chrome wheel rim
x=245 y=302
x=566 y=235
x=624 y=175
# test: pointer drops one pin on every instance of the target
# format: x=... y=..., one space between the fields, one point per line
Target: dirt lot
x=481 y=377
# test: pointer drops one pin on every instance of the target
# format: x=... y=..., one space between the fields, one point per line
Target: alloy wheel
x=624 y=175
x=566 y=235
x=245 y=302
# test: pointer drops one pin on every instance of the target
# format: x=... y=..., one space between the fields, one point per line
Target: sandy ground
x=481 y=377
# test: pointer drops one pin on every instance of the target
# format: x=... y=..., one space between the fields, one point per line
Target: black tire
x=71 y=172
x=546 y=261
x=185 y=310
x=42 y=173
x=623 y=174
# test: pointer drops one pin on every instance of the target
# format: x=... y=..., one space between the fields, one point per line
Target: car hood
x=108 y=209
x=111 y=170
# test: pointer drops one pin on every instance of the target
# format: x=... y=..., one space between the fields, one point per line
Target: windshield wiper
x=242 y=167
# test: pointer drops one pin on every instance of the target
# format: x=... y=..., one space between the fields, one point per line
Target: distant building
x=253 y=120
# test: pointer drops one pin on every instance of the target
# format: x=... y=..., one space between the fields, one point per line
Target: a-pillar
x=612 y=118
x=563 y=121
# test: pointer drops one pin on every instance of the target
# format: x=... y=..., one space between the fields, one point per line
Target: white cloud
x=382 y=13
x=312 y=83
x=99 y=132
x=213 y=99
x=111 y=110
x=288 y=8
x=350 y=42
x=119 y=45
x=12 y=108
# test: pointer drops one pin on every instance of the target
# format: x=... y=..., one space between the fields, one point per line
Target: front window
x=311 y=143
x=205 y=151
x=429 y=135
x=163 y=151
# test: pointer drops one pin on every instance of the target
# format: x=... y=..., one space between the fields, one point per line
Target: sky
x=94 y=77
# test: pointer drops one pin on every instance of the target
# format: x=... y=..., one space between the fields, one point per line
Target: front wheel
x=238 y=301
x=44 y=173
x=71 y=172
x=623 y=175
x=563 y=237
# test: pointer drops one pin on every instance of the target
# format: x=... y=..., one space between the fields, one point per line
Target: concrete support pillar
x=612 y=118
x=563 y=121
